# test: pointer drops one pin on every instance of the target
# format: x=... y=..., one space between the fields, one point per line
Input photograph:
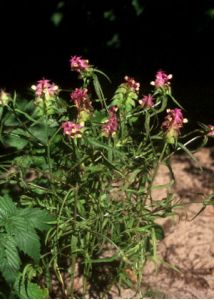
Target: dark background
x=129 y=37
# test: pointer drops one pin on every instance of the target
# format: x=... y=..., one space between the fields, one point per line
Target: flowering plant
x=86 y=165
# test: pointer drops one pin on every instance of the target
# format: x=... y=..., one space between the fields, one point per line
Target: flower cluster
x=79 y=64
x=125 y=96
x=72 y=129
x=45 y=100
x=81 y=99
x=110 y=127
x=161 y=79
x=147 y=101
x=45 y=89
x=132 y=84
x=172 y=124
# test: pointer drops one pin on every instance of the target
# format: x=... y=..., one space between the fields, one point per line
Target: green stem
x=73 y=255
x=156 y=170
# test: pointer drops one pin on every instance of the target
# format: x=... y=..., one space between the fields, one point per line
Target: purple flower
x=147 y=101
x=161 y=79
x=110 y=127
x=72 y=129
x=78 y=64
x=132 y=84
x=80 y=98
x=45 y=88
x=172 y=124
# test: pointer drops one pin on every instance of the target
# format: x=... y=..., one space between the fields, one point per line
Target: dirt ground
x=188 y=242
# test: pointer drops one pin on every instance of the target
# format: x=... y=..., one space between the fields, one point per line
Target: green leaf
x=99 y=144
x=15 y=224
x=7 y=207
x=17 y=139
x=10 y=263
x=19 y=287
x=37 y=218
x=2 y=250
x=24 y=235
x=42 y=132
x=10 y=120
x=102 y=73
x=99 y=116
x=98 y=88
x=34 y=291
x=11 y=252
x=188 y=152
x=159 y=232
x=25 y=289
x=24 y=161
x=175 y=101
x=29 y=243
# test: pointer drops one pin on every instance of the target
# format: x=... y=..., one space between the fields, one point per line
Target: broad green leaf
x=34 y=291
x=2 y=250
x=7 y=207
x=10 y=120
x=24 y=161
x=37 y=218
x=24 y=235
x=17 y=139
x=29 y=243
x=10 y=264
x=11 y=252
x=42 y=132
x=16 y=225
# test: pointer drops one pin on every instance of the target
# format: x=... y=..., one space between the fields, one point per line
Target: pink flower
x=174 y=119
x=211 y=130
x=72 y=129
x=111 y=125
x=172 y=124
x=78 y=64
x=147 y=101
x=132 y=84
x=45 y=88
x=162 y=79
x=80 y=98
